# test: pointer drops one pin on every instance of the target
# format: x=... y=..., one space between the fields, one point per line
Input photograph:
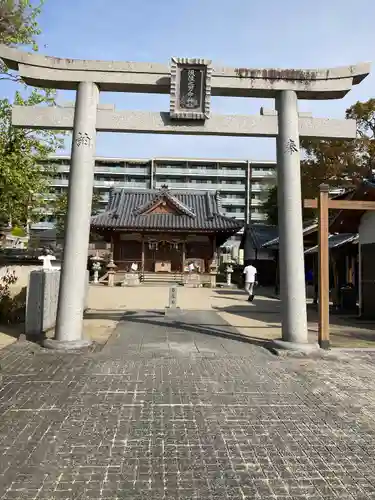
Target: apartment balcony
x=232 y=202
x=122 y=170
x=263 y=174
x=236 y=215
x=184 y=172
x=238 y=188
x=240 y=202
x=201 y=186
x=258 y=217
x=196 y=172
x=257 y=188
x=255 y=216
x=64 y=169
x=133 y=185
x=103 y=184
x=232 y=173
x=59 y=182
x=256 y=203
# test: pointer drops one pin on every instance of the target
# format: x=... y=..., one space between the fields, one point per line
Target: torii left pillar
x=69 y=325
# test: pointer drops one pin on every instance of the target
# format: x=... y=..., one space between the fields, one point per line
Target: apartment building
x=229 y=177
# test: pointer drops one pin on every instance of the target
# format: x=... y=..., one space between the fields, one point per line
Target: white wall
x=22 y=273
x=367 y=228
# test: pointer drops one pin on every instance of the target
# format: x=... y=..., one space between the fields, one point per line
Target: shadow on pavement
x=13 y=330
x=113 y=315
x=268 y=312
x=217 y=327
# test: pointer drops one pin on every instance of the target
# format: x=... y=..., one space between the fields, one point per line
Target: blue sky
x=237 y=33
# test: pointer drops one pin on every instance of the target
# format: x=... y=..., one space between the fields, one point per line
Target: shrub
x=18 y=232
x=12 y=309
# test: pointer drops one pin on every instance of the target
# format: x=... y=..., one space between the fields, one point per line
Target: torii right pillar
x=291 y=251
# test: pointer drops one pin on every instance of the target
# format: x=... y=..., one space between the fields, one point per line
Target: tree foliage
x=270 y=207
x=18 y=26
x=23 y=181
x=334 y=162
x=60 y=208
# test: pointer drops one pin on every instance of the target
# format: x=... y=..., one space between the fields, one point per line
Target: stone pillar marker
x=172 y=308
x=69 y=326
x=292 y=268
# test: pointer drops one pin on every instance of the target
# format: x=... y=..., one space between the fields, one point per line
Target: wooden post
x=335 y=289
x=277 y=274
x=183 y=256
x=315 y=281
x=350 y=264
x=323 y=335
x=143 y=254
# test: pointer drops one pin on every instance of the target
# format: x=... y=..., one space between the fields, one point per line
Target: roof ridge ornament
x=163 y=193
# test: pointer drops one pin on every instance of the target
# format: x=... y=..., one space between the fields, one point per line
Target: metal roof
x=309 y=228
x=259 y=235
x=336 y=241
x=348 y=221
x=127 y=209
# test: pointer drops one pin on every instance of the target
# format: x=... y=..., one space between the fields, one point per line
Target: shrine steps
x=162 y=278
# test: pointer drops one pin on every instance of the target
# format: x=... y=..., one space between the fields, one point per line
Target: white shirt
x=250 y=273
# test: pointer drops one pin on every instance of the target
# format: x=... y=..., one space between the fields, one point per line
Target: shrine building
x=163 y=231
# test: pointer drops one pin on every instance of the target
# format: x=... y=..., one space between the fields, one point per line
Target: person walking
x=250 y=273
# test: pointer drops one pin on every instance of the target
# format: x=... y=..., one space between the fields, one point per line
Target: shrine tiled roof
x=336 y=241
x=128 y=209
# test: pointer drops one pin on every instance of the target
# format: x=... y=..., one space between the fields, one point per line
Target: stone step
x=162 y=278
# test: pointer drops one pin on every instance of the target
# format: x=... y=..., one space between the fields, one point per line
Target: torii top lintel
x=116 y=76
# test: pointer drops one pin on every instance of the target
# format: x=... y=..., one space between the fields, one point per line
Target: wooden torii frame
x=323 y=204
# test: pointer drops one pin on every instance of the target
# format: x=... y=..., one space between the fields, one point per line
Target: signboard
x=190 y=89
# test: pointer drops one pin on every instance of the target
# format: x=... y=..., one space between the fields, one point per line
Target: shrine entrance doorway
x=164 y=258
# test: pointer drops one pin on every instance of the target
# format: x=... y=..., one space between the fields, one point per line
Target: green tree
x=334 y=162
x=23 y=182
x=270 y=207
x=60 y=208
x=18 y=26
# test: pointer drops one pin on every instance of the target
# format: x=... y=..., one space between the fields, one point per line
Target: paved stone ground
x=260 y=321
x=171 y=409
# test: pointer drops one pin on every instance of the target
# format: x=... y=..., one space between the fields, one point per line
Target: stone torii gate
x=190 y=83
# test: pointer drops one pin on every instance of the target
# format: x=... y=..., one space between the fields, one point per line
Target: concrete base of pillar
x=277 y=346
x=172 y=311
x=66 y=345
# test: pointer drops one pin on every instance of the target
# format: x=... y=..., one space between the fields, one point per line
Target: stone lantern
x=213 y=271
x=96 y=266
x=229 y=271
x=111 y=266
